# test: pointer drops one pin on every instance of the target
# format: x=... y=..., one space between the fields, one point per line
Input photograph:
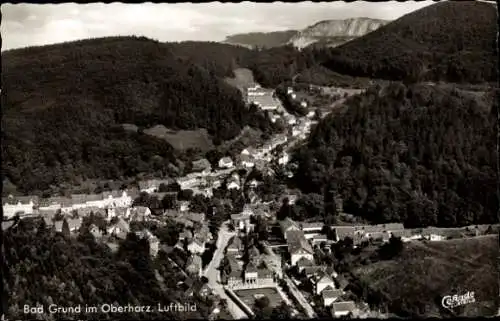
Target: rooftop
x=343 y=306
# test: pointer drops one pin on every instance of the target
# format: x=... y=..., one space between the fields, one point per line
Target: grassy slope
x=425 y=272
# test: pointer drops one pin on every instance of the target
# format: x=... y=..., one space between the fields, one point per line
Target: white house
x=293 y=95
x=298 y=247
x=343 y=308
x=241 y=221
x=289 y=90
x=187 y=182
x=10 y=210
x=120 y=229
x=226 y=162
x=233 y=183
x=311 y=114
x=303 y=103
x=284 y=159
x=247 y=161
x=196 y=246
x=322 y=281
x=330 y=295
x=312 y=227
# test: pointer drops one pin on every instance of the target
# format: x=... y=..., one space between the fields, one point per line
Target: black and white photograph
x=250 y=161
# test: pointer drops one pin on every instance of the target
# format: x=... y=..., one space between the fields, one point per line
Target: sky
x=40 y=24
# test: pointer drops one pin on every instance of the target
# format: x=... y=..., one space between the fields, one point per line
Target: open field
x=182 y=139
x=415 y=282
x=249 y=296
x=243 y=78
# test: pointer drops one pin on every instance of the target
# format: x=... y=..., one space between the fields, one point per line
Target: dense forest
x=423 y=155
x=451 y=41
x=46 y=267
x=63 y=106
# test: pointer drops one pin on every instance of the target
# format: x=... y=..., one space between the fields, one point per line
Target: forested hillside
x=63 y=106
x=422 y=155
x=451 y=41
x=49 y=268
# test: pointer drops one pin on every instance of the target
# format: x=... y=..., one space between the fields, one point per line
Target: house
x=187 y=182
x=249 y=151
x=433 y=234
x=322 y=281
x=19 y=204
x=342 y=232
x=194 y=265
x=304 y=262
x=233 y=183
x=343 y=308
x=150 y=186
x=183 y=206
x=153 y=241
x=311 y=114
x=202 y=165
x=203 y=233
x=226 y=162
x=405 y=235
x=287 y=225
x=289 y=90
x=139 y=213
x=283 y=159
x=241 y=221
x=235 y=276
x=319 y=238
x=298 y=247
x=120 y=229
x=311 y=229
x=311 y=271
x=247 y=161
x=196 y=246
x=251 y=274
x=293 y=95
x=330 y=295
x=303 y=103
x=235 y=247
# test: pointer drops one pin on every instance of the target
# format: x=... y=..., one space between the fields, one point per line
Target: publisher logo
x=453 y=301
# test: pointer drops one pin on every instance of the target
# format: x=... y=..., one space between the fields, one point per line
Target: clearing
x=243 y=78
x=183 y=139
x=416 y=281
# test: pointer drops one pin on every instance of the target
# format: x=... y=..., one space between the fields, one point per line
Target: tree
x=169 y=201
x=185 y=195
x=65 y=228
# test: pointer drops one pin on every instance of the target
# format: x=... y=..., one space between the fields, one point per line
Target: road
x=212 y=273
x=293 y=289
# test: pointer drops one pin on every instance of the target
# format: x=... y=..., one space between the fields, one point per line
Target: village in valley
x=245 y=254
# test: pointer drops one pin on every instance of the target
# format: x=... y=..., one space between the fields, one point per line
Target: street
x=212 y=273
x=295 y=292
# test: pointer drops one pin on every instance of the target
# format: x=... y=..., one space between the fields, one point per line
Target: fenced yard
x=250 y=295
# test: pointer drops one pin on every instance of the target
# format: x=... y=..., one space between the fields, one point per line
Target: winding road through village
x=212 y=273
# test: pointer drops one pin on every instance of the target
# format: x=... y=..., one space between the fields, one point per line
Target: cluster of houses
x=26 y=205
x=258 y=272
x=193 y=238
